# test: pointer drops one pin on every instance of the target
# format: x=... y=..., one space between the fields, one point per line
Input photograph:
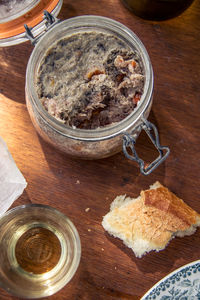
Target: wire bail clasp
x=48 y=22
x=152 y=132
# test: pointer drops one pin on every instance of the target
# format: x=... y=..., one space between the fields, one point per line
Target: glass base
x=40 y=251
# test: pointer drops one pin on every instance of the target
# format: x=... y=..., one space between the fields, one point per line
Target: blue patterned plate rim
x=169 y=280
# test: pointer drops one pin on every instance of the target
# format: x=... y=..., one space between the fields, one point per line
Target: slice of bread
x=150 y=221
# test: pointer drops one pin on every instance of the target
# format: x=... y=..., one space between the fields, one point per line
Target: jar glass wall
x=87 y=144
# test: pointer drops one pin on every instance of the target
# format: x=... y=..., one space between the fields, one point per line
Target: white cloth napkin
x=12 y=182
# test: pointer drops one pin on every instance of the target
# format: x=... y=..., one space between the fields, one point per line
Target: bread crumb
x=77 y=181
x=89 y=229
x=102 y=249
x=115 y=268
x=87 y=209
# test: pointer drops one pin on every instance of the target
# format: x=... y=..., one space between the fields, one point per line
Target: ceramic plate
x=182 y=284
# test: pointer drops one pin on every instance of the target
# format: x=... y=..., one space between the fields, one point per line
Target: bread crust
x=151 y=220
x=164 y=200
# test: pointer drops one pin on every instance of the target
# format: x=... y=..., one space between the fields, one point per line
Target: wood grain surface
x=108 y=269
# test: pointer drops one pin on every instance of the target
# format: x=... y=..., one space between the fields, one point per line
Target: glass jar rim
x=90 y=22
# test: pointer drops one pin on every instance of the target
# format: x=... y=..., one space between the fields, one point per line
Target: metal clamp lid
x=129 y=142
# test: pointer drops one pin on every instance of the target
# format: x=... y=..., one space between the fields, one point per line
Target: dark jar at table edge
x=157 y=9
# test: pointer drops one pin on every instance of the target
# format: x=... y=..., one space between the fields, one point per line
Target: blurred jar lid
x=15 y=13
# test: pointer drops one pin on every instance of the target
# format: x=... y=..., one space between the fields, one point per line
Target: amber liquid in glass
x=157 y=9
x=38 y=250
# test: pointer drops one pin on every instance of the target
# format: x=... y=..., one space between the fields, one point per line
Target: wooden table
x=108 y=269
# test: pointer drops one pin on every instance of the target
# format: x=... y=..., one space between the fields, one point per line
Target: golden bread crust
x=164 y=200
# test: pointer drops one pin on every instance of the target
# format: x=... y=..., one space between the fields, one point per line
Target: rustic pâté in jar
x=90 y=80
x=89 y=89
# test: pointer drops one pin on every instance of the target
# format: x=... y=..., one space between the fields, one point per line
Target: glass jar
x=157 y=9
x=14 y=13
x=101 y=142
